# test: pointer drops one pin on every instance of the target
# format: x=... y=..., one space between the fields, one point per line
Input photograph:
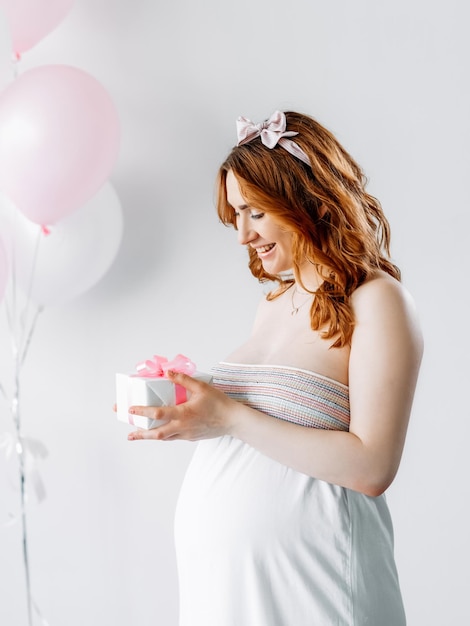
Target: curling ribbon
x=6 y=442
x=158 y=367
x=33 y=449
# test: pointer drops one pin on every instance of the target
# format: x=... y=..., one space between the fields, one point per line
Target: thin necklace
x=295 y=309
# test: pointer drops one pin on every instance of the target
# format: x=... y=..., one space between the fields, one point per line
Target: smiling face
x=257 y=229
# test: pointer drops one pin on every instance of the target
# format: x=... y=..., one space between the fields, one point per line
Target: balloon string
x=19 y=356
x=39 y=310
x=41 y=617
x=21 y=343
x=3 y=392
x=12 y=320
x=26 y=336
x=6 y=442
x=18 y=333
x=11 y=312
x=15 y=412
x=8 y=311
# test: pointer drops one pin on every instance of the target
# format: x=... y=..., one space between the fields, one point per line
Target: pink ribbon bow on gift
x=272 y=132
x=159 y=366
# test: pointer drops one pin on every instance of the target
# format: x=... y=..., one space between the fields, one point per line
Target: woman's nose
x=246 y=233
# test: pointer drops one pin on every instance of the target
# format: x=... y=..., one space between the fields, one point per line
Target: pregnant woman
x=282 y=518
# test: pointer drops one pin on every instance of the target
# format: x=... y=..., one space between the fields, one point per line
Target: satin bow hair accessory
x=272 y=132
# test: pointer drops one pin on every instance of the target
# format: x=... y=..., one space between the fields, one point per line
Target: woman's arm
x=384 y=362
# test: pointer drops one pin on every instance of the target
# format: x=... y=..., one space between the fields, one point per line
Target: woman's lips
x=265 y=250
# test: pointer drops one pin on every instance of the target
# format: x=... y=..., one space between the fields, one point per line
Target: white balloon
x=78 y=251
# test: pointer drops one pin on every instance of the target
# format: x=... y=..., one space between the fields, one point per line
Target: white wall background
x=390 y=78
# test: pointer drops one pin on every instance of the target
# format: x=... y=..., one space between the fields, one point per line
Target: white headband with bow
x=272 y=132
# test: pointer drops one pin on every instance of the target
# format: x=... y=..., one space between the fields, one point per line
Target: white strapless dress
x=260 y=544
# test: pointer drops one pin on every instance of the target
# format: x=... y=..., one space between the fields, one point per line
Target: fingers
x=175 y=417
x=154 y=412
x=188 y=382
x=143 y=434
x=167 y=414
x=136 y=435
x=162 y=433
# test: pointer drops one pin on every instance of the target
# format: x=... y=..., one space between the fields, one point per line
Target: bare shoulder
x=385 y=304
x=382 y=292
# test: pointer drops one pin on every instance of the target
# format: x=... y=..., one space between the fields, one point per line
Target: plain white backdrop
x=390 y=79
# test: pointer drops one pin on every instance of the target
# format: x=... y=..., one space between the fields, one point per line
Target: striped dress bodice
x=296 y=395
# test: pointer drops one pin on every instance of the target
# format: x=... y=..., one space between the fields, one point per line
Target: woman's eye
x=257 y=216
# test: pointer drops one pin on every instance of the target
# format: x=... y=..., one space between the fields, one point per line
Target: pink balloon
x=31 y=20
x=3 y=270
x=59 y=139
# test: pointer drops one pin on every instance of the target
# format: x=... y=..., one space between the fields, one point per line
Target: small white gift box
x=152 y=389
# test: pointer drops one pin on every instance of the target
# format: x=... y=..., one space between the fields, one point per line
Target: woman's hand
x=206 y=414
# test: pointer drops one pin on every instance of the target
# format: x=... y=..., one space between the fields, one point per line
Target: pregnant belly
x=234 y=498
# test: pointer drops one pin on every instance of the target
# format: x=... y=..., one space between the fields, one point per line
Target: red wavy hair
x=336 y=224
